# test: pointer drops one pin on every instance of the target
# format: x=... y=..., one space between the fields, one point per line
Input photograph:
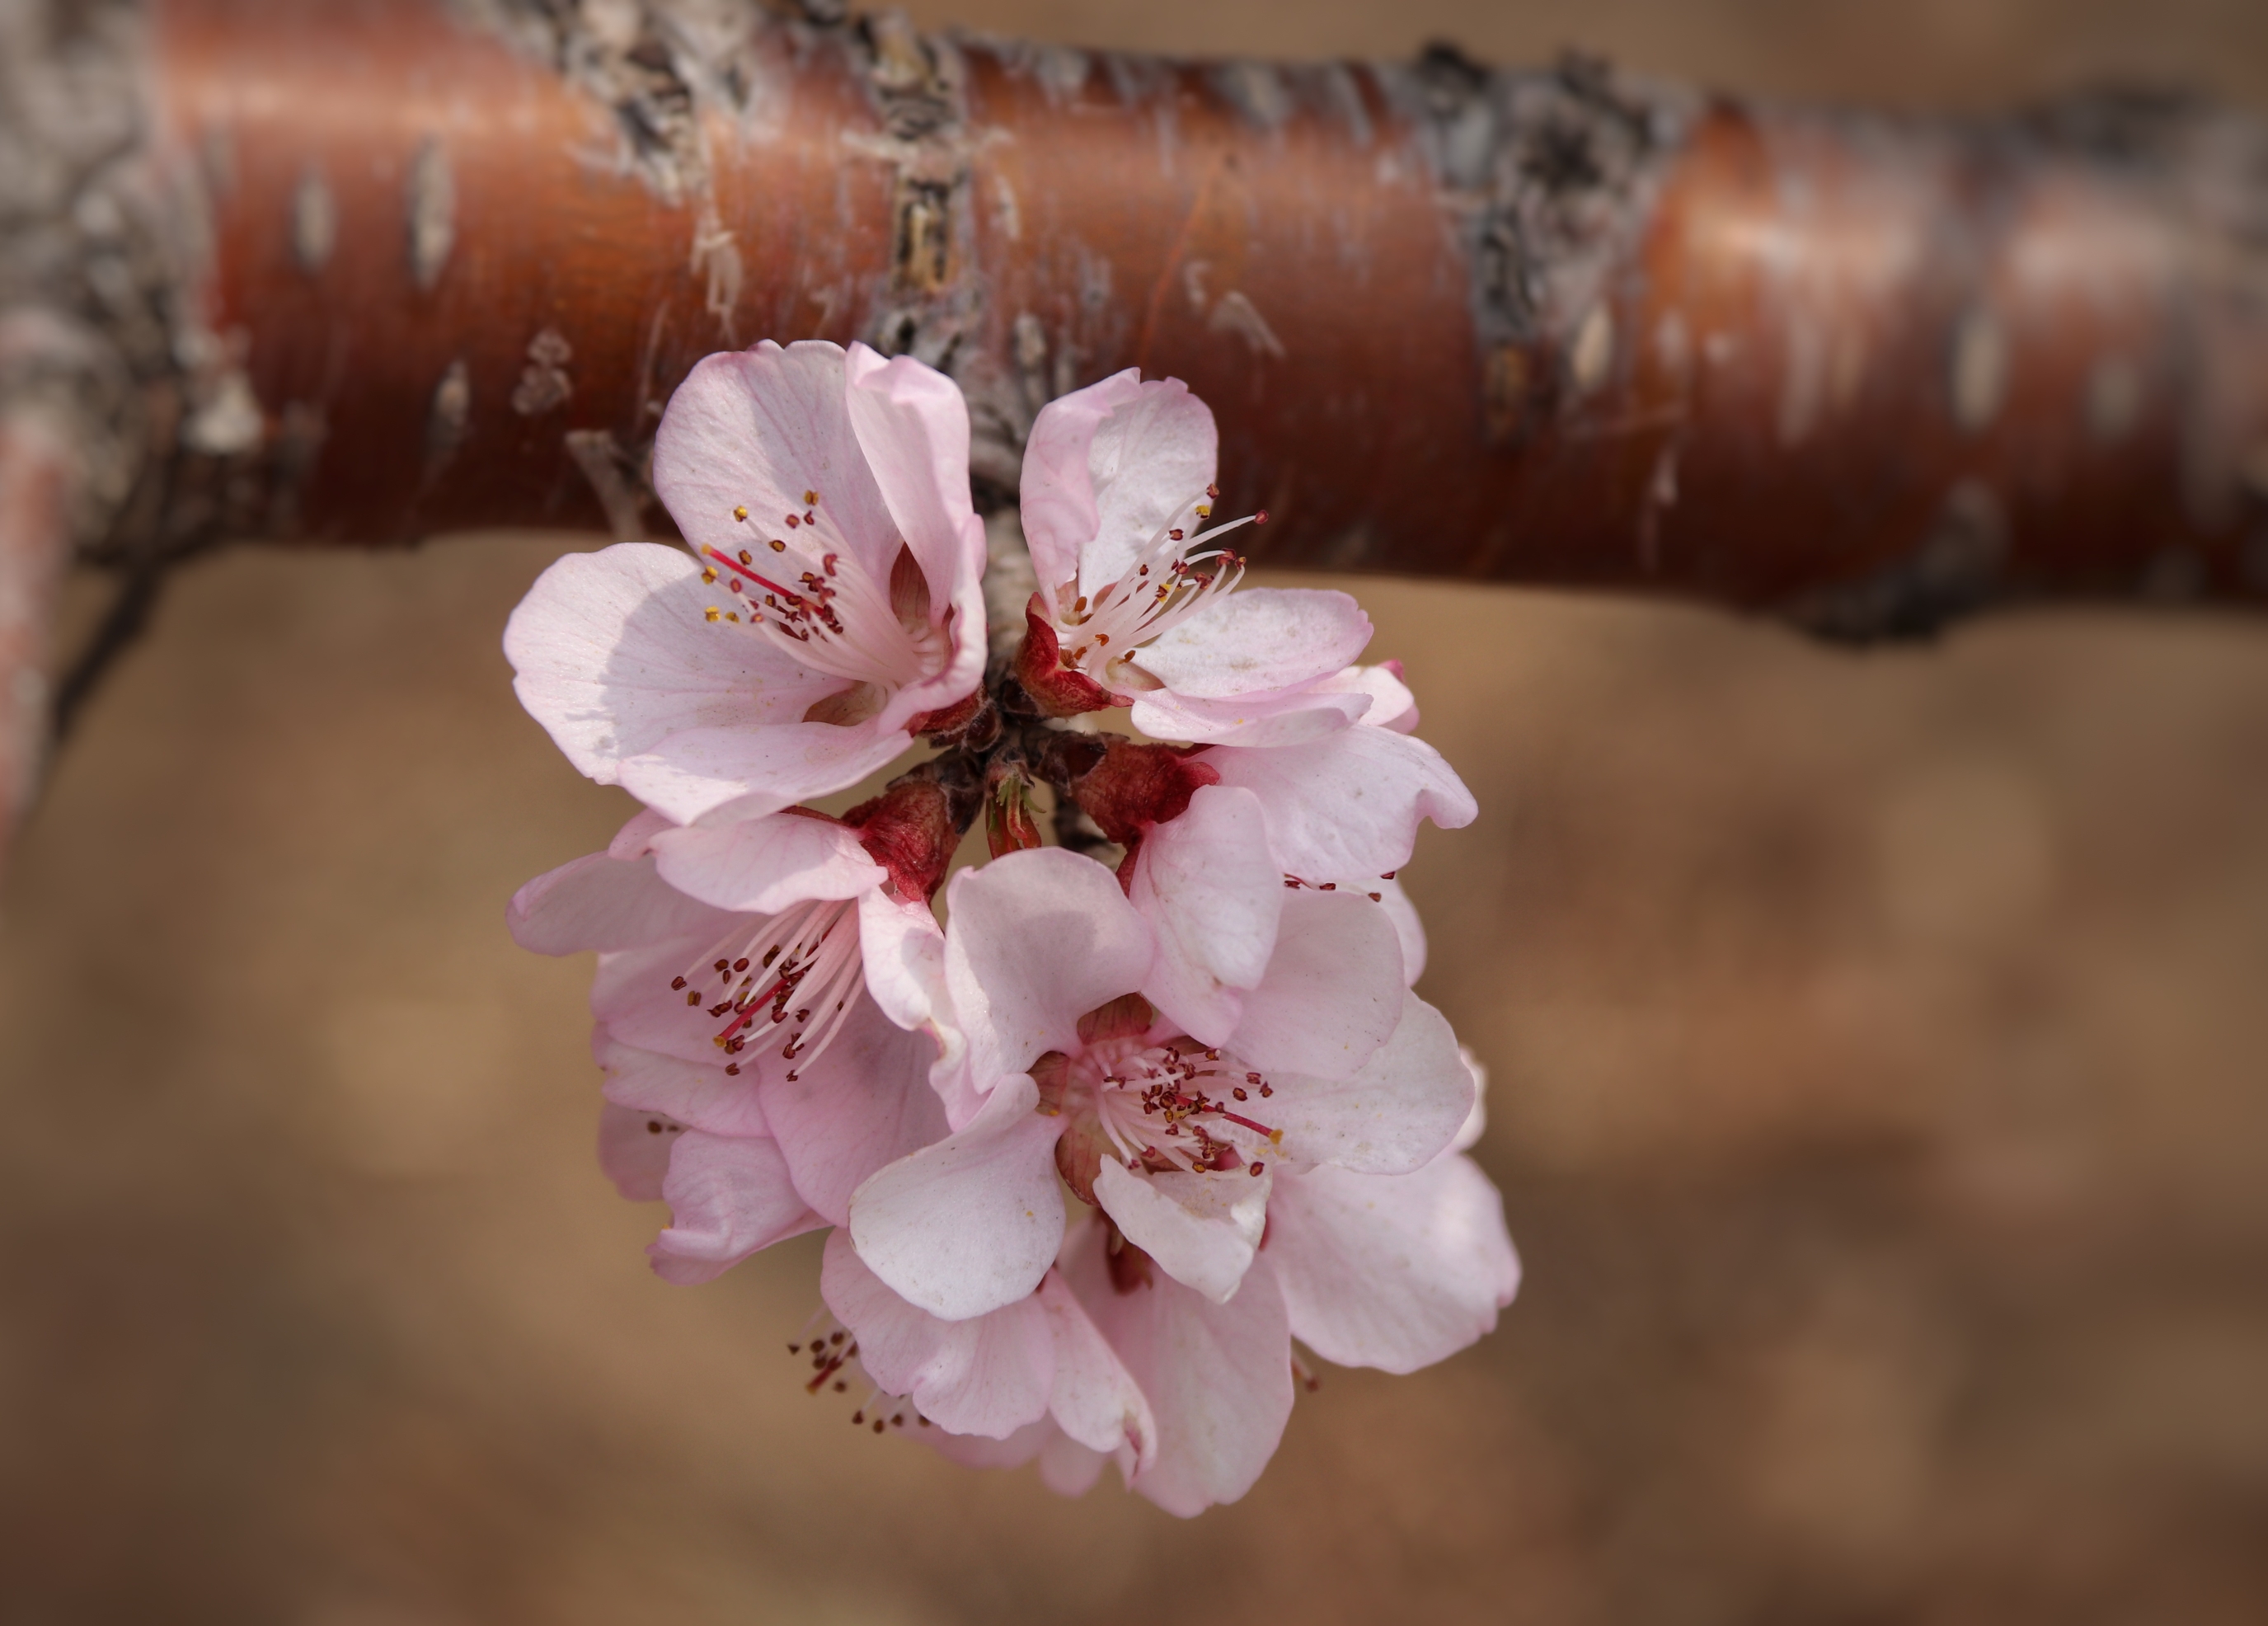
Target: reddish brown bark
x=1549 y=327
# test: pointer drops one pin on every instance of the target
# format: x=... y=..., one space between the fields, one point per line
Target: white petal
x=1259 y=641
x=1202 y=1230
x=1058 y=511
x=762 y=865
x=1250 y=720
x=1393 y=1271
x=1033 y=942
x=1403 y=1107
x=614 y=656
x=728 y=1198
x=744 y=772
x=605 y=903
x=632 y=1000
x=634 y=1150
x=1333 y=992
x=859 y=1105
x=972 y=1223
x=1095 y=1400
x=990 y=1375
x=1348 y=804
x=1209 y=888
x=1218 y=1377
x=903 y=948
x=700 y=1095
x=757 y=428
x=913 y=426
x=1068 y=1469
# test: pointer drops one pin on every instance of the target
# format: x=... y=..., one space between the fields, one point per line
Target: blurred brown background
x=1880 y=1102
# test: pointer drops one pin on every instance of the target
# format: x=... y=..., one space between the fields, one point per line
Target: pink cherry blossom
x=776 y=1094
x=1395 y=1271
x=829 y=609
x=1067 y=1069
x=1135 y=606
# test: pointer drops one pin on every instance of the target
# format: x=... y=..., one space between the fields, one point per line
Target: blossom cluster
x=1154 y=1099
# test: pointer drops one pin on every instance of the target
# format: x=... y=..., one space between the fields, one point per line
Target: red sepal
x=1136 y=786
x=908 y=830
x=1056 y=689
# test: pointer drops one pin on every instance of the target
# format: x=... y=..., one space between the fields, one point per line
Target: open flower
x=827 y=613
x=751 y=1040
x=1137 y=602
x=1068 y=1070
x=1395 y=1271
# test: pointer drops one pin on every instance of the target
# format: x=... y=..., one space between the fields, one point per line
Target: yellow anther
x=741 y=512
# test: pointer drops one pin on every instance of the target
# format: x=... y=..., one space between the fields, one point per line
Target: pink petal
x=607 y=904
x=634 y=1150
x=861 y=1105
x=1058 y=508
x=1068 y=1469
x=1349 y=804
x=761 y=865
x=903 y=948
x=631 y=998
x=1095 y=1400
x=700 y=1095
x=1202 y=1230
x=1333 y=992
x=1253 y=720
x=972 y=1223
x=757 y=428
x=613 y=657
x=913 y=426
x=744 y=772
x=1260 y=641
x=1392 y=1271
x=1398 y=1113
x=1105 y=468
x=634 y=839
x=1476 y=1123
x=1034 y=941
x=1392 y=705
x=1210 y=889
x=987 y=1375
x=1218 y=1377
x=728 y=1198
x=1395 y=901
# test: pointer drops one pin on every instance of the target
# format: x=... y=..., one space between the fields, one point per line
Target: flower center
x=1175 y=1106
x=1169 y=581
x=807 y=590
x=800 y=970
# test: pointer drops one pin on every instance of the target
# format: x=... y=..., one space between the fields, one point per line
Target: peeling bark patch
x=1554 y=176
x=543 y=383
x=616 y=477
x=923 y=254
x=314 y=223
x=432 y=208
x=1237 y=314
x=1978 y=380
x=445 y=419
